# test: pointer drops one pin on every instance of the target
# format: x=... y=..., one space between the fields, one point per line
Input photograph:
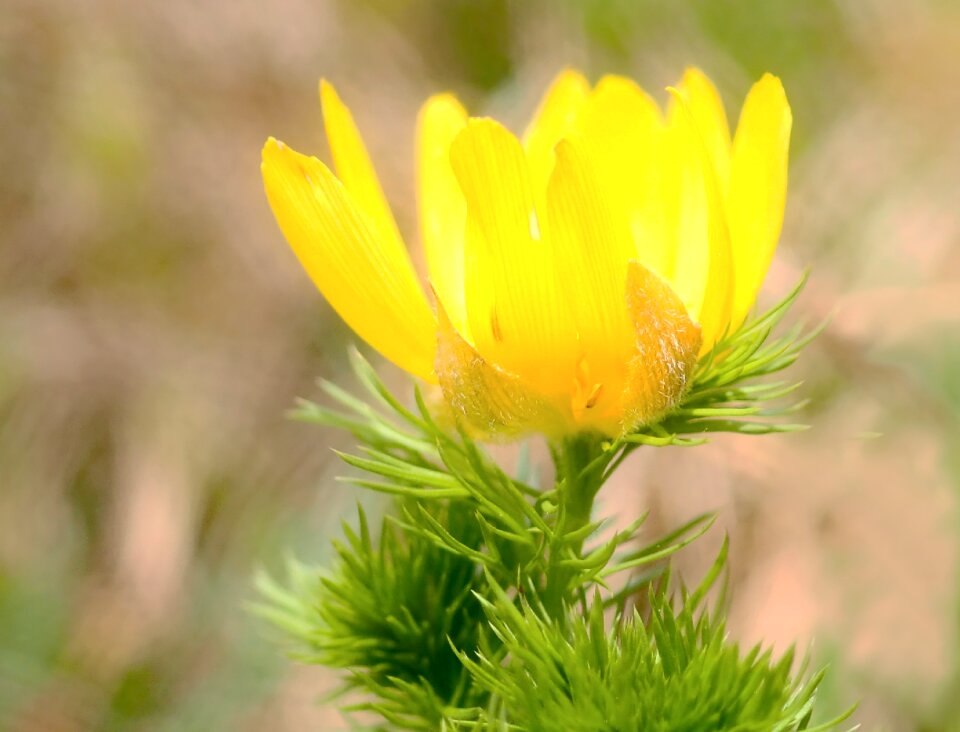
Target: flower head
x=578 y=273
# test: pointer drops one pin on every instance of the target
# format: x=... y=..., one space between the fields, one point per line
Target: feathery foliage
x=671 y=670
x=389 y=611
x=485 y=602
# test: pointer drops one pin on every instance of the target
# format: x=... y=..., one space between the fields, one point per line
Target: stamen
x=594 y=396
x=495 y=327
x=586 y=391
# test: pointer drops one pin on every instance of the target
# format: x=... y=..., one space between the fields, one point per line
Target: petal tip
x=771 y=85
x=444 y=101
x=572 y=77
x=480 y=129
x=768 y=94
x=331 y=105
x=275 y=154
x=611 y=82
x=693 y=73
x=327 y=90
x=770 y=78
x=271 y=147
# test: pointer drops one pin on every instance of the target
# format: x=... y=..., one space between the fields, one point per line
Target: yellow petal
x=667 y=344
x=703 y=273
x=443 y=211
x=592 y=248
x=555 y=119
x=706 y=107
x=483 y=396
x=353 y=166
x=623 y=129
x=758 y=187
x=516 y=311
x=368 y=279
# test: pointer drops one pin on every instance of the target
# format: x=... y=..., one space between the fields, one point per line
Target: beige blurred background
x=154 y=328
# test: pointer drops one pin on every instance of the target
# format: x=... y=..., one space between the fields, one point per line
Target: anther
x=495 y=327
x=594 y=396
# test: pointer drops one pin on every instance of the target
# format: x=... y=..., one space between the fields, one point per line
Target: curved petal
x=592 y=248
x=485 y=397
x=708 y=114
x=443 y=211
x=516 y=310
x=555 y=119
x=703 y=271
x=667 y=344
x=368 y=279
x=353 y=165
x=758 y=187
x=623 y=129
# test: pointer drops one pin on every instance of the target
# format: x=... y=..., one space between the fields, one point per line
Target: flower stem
x=576 y=489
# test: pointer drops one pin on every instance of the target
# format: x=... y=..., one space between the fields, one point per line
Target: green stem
x=576 y=490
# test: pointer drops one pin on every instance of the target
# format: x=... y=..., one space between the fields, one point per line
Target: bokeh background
x=154 y=328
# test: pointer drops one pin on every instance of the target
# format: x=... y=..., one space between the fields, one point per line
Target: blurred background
x=154 y=328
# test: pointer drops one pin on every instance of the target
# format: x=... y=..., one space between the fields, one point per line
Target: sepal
x=667 y=343
x=484 y=397
x=725 y=394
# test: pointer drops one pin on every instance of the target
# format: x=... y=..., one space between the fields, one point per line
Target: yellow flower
x=578 y=273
